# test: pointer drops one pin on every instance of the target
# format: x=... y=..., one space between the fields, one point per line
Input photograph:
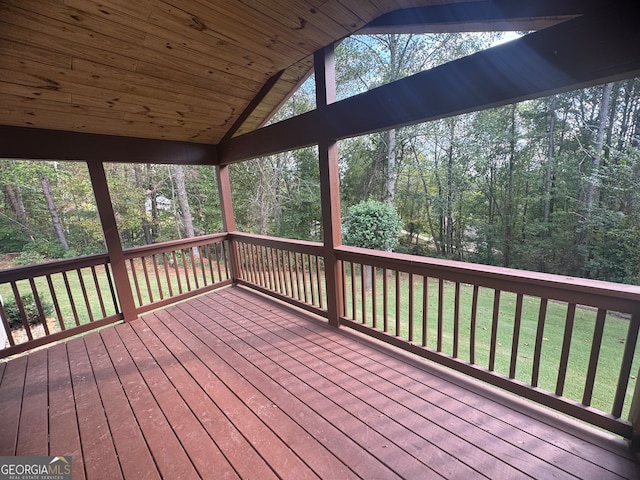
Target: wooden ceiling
x=196 y=70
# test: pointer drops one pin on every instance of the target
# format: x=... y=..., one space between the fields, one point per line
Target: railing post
x=112 y=240
x=228 y=218
x=324 y=65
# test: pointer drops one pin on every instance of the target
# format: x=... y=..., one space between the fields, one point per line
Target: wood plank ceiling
x=191 y=70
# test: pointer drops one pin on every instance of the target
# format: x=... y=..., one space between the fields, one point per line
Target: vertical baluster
x=566 y=347
x=456 y=320
x=71 y=300
x=218 y=255
x=207 y=247
x=542 y=317
x=135 y=281
x=166 y=265
x=596 y=343
x=112 y=288
x=344 y=288
x=201 y=254
x=494 y=330
x=385 y=299
x=36 y=298
x=56 y=304
x=303 y=261
x=154 y=262
x=87 y=303
x=23 y=313
x=185 y=268
x=474 y=316
x=319 y=280
x=398 y=302
x=146 y=278
x=276 y=279
x=251 y=259
x=176 y=267
x=98 y=291
x=374 y=297
x=440 y=313
x=625 y=367
x=425 y=309
x=363 y=289
x=283 y=272
x=225 y=257
x=294 y=291
x=411 y=309
x=5 y=325
x=515 y=342
x=191 y=255
x=353 y=291
x=301 y=294
x=311 y=282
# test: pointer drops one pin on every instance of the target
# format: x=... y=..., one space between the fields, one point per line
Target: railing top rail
x=56 y=266
x=301 y=246
x=173 y=244
x=600 y=294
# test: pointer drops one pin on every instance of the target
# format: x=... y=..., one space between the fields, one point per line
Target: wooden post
x=112 y=240
x=324 y=65
x=228 y=219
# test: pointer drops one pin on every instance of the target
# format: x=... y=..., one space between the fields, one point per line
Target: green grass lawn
x=615 y=333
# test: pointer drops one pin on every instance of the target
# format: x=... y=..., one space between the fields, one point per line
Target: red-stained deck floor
x=233 y=385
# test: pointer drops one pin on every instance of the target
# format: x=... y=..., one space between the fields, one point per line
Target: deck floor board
x=234 y=385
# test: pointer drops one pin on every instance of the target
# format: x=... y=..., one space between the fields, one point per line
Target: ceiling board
x=168 y=69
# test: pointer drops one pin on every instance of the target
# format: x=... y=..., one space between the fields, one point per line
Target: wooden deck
x=233 y=385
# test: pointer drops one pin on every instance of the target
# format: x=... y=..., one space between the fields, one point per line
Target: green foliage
x=372 y=224
x=28 y=257
x=12 y=238
x=31 y=310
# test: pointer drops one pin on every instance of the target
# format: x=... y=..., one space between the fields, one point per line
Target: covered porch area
x=233 y=384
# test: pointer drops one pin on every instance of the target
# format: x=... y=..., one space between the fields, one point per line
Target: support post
x=228 y=219
x=324 y=65
x=112 y=240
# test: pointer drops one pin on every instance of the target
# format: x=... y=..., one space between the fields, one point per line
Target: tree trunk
x=391 y=166
x=53 y=211
x=508 y=207
x=597 y=155
x=146 y=227
x=183 y=200
x=549 y=166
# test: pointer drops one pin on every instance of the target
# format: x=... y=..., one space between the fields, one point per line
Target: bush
x=30 y=308
x=372 y=224
x=28 y=257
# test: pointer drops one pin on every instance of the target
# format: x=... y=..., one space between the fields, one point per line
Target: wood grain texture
x=234 y=385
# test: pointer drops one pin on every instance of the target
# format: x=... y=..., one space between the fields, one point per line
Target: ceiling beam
x=39 y=144
x=595 y=48
x=481 y=16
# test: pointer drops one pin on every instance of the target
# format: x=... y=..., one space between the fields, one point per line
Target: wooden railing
x=567 y=343
x=77 y=295
x=165 y=273
x=291 y=270
x=55 y=300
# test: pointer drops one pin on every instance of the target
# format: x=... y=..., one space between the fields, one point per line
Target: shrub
x=372 y=224
x=30 y=308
